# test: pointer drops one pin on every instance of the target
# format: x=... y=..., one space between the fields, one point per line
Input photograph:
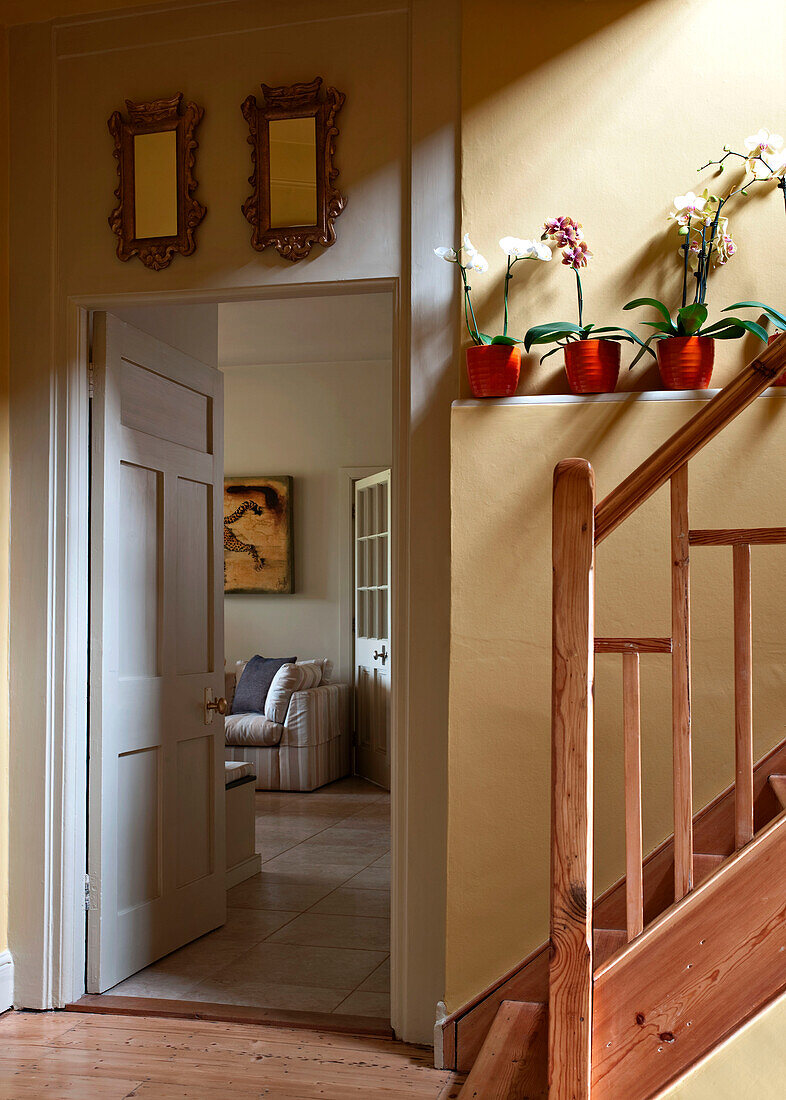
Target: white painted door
x=372 y=628
x=156 y=800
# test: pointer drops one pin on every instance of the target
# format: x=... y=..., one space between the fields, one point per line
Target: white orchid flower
x=763 y=142
x=469 y=247
x=692 y=203
x=448 y=254
x=519 y=249
x=516 y=248
x=478 y=263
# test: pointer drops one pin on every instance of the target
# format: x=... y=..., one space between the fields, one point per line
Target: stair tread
x=514 y=1056
x=778 y=785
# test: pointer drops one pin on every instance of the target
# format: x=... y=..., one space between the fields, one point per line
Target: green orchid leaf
x=546 y=334
x=724 y=330
x=552 y=352
x=691 y=318
x=585 y=332
x=661 y=308
x=628 y=334
x=774 y=315
x=485 y=339
x=645 y=347
x=661 y=326
x=739 y=325
x=507 y=340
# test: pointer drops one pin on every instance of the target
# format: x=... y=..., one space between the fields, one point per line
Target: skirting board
x=241 y=871
x=6 y=980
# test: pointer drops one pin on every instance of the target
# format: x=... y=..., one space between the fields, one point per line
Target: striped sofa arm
x=317 y=715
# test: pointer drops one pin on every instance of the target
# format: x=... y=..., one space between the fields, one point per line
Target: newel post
x=570 y=968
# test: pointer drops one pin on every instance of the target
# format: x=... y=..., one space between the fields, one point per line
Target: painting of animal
x=258 y=542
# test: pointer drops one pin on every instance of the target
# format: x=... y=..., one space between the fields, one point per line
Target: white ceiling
x=329 y=329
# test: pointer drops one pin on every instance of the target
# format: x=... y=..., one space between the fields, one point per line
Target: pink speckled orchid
x=567 y=234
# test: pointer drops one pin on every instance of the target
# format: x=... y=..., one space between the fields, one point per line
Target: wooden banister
x=573 y=636
x=690 y=439
x=633 y=645
x=680 y=686
x=739 y=536
x=743 y=698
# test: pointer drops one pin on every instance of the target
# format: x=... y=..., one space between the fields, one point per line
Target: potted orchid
x=686 y=345
x=778 y=320
x=493 y=362
x=592 y=355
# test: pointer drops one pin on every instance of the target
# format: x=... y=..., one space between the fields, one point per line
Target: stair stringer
x=695 y=976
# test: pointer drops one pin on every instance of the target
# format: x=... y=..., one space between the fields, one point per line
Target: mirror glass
x=155 y=184
x=293 y=171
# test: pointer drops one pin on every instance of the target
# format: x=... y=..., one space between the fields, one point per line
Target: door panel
x=156 y=843
x=372 y=627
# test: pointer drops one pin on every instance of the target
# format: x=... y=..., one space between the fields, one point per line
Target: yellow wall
x=604 y=111
x=751 y=1063
x=500 y=738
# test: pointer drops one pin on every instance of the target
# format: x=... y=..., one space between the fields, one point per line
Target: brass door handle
x=214 y=706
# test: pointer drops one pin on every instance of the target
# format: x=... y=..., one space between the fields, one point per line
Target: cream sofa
x=303 y=740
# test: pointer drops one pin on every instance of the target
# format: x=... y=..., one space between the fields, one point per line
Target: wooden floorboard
x=73 y=1056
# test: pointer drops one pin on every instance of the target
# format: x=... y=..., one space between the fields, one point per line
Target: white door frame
x=69 y=712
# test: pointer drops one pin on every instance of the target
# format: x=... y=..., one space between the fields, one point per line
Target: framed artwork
x=157 y=214
x=258 y=543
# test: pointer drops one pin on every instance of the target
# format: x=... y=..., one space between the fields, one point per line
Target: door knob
x=381 y=656
x=214 y=706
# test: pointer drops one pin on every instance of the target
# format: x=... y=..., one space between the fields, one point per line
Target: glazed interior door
x=156 y=850
x=372 y=628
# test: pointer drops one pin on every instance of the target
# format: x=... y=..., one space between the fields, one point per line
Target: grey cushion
x=254 y=684
x=237 y=769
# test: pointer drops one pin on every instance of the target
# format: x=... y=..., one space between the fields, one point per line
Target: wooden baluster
x=631 y=713
x=743 y=697
x=680 y=685
x=571 y=962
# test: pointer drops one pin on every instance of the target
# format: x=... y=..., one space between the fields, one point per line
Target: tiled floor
x=311 y=932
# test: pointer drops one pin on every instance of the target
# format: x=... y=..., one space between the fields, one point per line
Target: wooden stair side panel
x=512 y=1063
x=695 y=976
x=528 y=983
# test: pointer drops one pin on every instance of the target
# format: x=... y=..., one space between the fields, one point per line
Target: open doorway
x=249 y=855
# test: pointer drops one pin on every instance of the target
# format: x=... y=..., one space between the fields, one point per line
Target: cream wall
x=307 y=420
x=605 y=113
x=397 y=141
x=500 y=737
x=751 y=1063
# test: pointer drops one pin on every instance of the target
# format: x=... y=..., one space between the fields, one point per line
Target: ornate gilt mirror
x=157 y=214
x=294 y=201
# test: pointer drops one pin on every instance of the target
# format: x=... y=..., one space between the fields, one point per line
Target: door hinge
x=87 y=893
x=353 y=509
x=90 y=380
x=353 y=626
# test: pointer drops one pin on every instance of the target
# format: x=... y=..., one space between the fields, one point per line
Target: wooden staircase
x=634 y=988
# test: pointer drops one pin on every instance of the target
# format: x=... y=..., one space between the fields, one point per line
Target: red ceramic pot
x=592 y=366
x=493 y=369
x=686 y=362
x=781 y=379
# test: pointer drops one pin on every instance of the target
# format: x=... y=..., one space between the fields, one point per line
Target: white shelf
x=594 y=398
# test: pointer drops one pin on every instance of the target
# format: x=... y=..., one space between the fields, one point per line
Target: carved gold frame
x=294 y=101
x=148 y=118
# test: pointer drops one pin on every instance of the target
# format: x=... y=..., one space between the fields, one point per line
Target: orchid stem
x=508 y=277
x=471 y=329
x=580 y=295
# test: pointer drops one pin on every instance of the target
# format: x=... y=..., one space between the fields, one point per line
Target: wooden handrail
x=690 y=439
